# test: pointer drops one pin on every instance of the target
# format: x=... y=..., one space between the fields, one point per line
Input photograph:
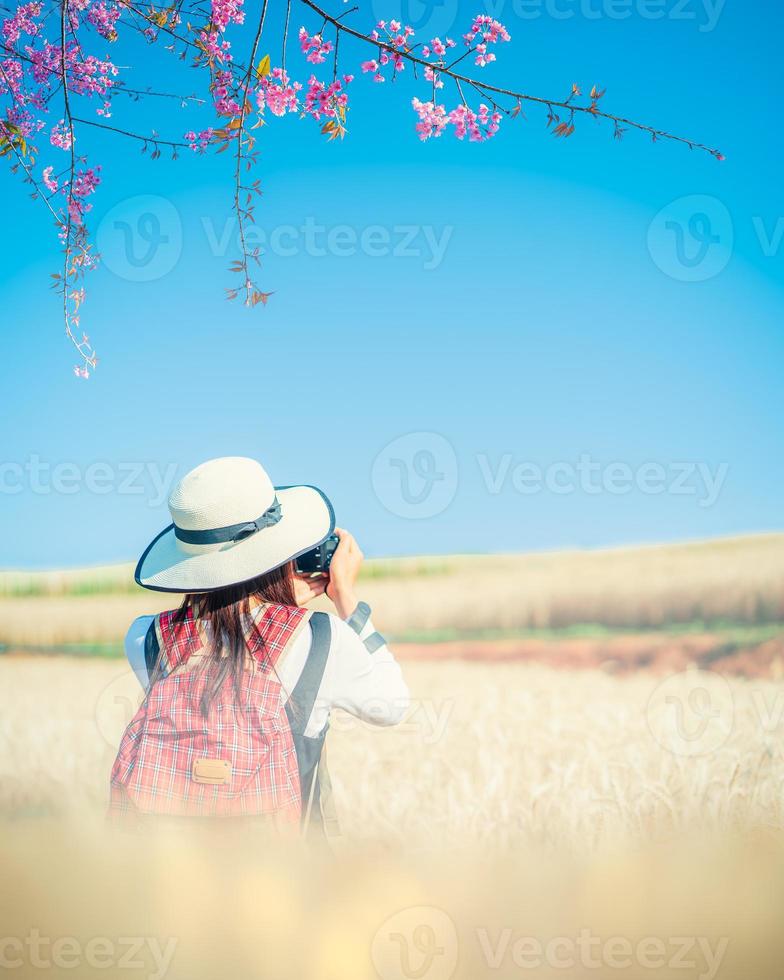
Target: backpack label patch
x=214 y=771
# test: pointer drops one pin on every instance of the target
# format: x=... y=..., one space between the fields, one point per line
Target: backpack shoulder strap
x=272 y=630
x=157 y=644
x=303 y=697
x=152 y=649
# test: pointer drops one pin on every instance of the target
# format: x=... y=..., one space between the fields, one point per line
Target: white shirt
x=367 y=685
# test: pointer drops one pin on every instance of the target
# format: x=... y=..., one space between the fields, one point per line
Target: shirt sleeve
x=366 y=680
x=134 y=648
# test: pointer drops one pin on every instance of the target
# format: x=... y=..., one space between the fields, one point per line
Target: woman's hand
x=307 y=587
x=343 y=571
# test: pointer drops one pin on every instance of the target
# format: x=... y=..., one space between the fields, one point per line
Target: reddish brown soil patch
x=660 y=653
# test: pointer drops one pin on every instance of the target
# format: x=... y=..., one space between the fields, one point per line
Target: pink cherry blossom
x=477 y=126
x=198 y=142
x=432 y=119
x=395 y=35
x=323 y=100
x=22 y=22
x=225 y=12
x=104 y=16
x=60 y=136
x=85 y=182
x=483 y=57
x=216 y=48
x=50 y=182
x=484 y=31
x=277 y=93
x=226 y=101
x=438 y=47
x=433 y=76
x=313 y=46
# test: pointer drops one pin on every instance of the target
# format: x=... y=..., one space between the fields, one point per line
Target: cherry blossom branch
x=148 y=93
x=73 y=264
x=285 y=35
x=34 y=71
x=71 y=170
x=120 y=89
x=519 y=97
x=253 y=295
x=186 y=41
x=154 y=139
x=38 y=194
x=8 y=136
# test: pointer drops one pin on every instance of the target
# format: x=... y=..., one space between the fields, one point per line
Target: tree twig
x=591 y=110
x=248 y=284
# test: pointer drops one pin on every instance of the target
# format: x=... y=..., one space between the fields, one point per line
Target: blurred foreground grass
x=79 y=904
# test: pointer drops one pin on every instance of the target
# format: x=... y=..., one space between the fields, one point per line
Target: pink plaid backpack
x=245 y=758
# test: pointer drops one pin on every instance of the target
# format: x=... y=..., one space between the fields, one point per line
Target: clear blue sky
x=559 y=323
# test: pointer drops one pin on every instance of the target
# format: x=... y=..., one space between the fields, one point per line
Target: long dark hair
x=227 y=611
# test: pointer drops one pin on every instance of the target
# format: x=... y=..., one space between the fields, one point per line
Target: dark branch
x=590 y=110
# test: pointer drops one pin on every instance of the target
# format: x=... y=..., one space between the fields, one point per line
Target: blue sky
x=583 y=336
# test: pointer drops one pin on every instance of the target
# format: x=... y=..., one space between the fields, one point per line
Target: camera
x=318 y=559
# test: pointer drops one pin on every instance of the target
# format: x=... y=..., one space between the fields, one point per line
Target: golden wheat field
x=526 y=819
x=521 y=821
x=504 y=756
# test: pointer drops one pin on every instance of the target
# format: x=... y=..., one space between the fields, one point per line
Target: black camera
x=318 y=559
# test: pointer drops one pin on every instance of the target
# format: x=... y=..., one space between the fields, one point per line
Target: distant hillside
x=706 y=584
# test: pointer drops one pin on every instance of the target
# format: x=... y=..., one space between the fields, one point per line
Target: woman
x=241 y=679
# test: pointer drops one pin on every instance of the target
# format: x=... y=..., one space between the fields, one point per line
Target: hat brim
x=307 y=520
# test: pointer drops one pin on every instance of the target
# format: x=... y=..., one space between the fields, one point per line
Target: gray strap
x=359 y=617
x=151 y=650
x=303 y=697
x=374 y=641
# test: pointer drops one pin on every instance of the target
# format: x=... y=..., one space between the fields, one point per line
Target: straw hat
x=231 y=524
